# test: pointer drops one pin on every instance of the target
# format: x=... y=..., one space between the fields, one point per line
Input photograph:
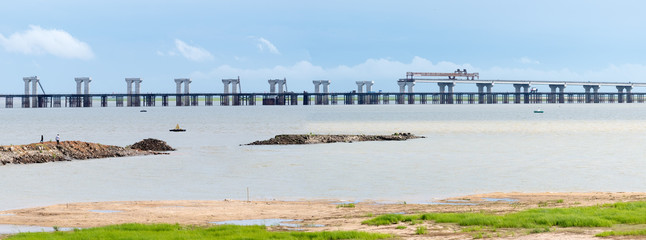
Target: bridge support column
x=411 y=95
x=629 y=94
x=178 y=91
x=187 y=98
x=87 y=101
x=482 y=96
x=446 y=97
x=402 y=90
x=326 y=90
x=525 y=92
x=620 y=94
x=557 y=97
x=590 y=98
x=133 y=100
x=317 y=91
x=34 y=92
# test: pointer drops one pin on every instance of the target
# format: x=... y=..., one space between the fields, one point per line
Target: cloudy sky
x=342 y=41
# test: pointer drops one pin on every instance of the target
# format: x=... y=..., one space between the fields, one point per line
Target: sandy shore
x=313 y=214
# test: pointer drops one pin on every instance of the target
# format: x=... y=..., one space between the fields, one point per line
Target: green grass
x=420 y=230
x=595 y=216
x=641 y=232
x=346 y=205
x=169 y=231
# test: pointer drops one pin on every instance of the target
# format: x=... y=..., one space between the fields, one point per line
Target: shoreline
x=314 y=215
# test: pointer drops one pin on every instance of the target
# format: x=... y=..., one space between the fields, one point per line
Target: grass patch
x=420 y=230
x=401 y=227
x=595 y=216
x=346 y=205
x=641 y=232
x=169 y=231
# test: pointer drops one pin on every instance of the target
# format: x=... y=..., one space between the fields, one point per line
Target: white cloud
x=526 y=60
x=266 y=44
x=385 y=73
x=37 y=41
x=191 y=52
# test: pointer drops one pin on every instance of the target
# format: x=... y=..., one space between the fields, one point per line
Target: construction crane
x=457 y=73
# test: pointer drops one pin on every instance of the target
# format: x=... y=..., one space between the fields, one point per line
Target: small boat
x=538 y=111
x=143 y=110
x=177 y=129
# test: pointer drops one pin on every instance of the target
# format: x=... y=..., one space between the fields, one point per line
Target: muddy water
x=469 y=149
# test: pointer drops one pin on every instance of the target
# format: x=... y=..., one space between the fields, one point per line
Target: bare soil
x=320 y=212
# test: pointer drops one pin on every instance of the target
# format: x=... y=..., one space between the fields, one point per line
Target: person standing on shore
x=58 y=139
x=41 y=138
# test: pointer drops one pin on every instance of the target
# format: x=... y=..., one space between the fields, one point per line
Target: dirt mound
x=151 y=144
x=286 y=139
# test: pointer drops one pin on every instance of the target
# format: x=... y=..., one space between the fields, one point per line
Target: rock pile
x=151 y=144
x=286 y=139
x=71 y=150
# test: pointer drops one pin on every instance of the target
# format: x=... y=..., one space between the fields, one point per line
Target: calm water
x=469 y=149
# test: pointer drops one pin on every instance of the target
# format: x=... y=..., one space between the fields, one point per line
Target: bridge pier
x=321 y=99
x=621 y=98
x=590 y=98
x=133 y=100
x=235 y=86
x=34 y=92
x=482 y=96
x=444 y=97
x=554 y=98
x=517 y=93
x=179 y=99
x=86 y=99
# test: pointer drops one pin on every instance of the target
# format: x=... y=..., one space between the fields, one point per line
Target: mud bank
x=73 y=150
x=286 y=139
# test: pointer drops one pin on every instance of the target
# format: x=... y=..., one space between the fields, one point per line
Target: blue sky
x=342 y=41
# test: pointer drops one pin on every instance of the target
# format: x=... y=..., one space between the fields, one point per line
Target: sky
x=301 y=41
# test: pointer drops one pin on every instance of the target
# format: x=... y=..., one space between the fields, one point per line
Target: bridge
x=233 y=95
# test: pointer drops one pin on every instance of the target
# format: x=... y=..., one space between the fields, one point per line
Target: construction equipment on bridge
x=457 y=73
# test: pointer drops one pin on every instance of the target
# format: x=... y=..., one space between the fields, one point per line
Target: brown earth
x=286 y=139
x=321 y=212
x=65 y=151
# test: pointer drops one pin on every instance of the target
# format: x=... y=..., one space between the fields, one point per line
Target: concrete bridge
x=233 y=95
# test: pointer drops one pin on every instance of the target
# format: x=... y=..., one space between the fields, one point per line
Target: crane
x=453 y=75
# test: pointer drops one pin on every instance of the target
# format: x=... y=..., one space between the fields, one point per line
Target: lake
x=468 y=149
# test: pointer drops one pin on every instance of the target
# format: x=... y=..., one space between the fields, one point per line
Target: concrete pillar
x=317 y=85
x=272 y=86
x=481 y=94
x=480 y=88
x=178 y=85
x=226 y=83
x=27 y=82
x=326 y=86
x=441 y=85
x=187 y=99
x=87 y=86
x=281 y=86
x=591 y=97
x=402 y=87
x=629 y=95
x=34 y=92
x=137 y=91
x=369 y=85
x=553 y=93
x=235 y=84
x=620 y=96
x=410 y=86
x=450 y=87
x=78 y=85
x=132 y=100
x=360 y=86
